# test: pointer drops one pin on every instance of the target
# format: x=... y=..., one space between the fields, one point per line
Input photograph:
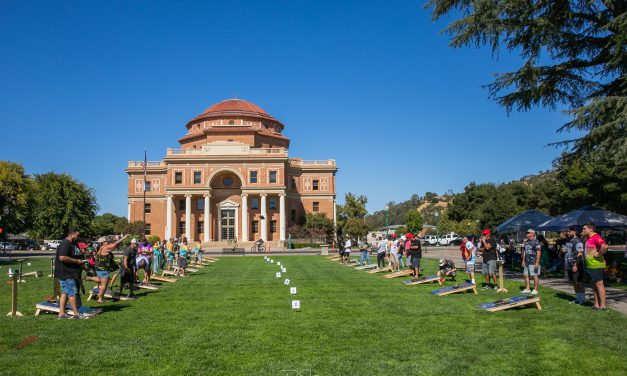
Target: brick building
x=231 y=178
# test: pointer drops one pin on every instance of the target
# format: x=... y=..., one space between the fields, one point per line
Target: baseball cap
x=133 y=241
x=393 y=236
x=441 y=262
x=409 y=235
x=486 y=231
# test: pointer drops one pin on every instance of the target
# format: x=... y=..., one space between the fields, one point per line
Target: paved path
x=616 y=298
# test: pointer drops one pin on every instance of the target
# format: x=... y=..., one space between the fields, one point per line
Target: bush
x=305 y=245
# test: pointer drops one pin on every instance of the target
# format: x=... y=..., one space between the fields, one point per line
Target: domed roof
x=235 y=107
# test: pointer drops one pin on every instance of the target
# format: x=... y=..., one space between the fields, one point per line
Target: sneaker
x=80 y=316
x=525 y=291
x=575 y=302
x=63 y=316
x=534 y=292
x=485 y=288
x=496 y=287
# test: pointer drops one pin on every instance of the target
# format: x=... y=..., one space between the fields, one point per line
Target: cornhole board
x=352 y=262
x=148 y=286
x=37 y=274
x=377 y=270
x=421 y=280
x=54 y=308
x=455 y=289
x=191 y=270
x=198 y=265
x=169 y=272
x=366 y=267
x=402 y=273
x=334 y=257
x=163 y=279
x=515 y=301
x=109 y=294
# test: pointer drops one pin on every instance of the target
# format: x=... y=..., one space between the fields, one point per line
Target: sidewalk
x=616 y=298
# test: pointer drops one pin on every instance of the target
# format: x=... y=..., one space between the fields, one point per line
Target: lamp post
x=387 y=227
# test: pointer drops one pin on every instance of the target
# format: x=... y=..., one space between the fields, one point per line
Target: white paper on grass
x=286 y=282
x=278 y=275
x=293 y=290
x=278 y=263
x=295 y=304
x=271 y=261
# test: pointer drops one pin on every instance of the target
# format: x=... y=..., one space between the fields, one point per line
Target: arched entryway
x=226 y=191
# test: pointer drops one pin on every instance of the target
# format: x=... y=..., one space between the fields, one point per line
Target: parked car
x=448 y=238
x=52 y=244
x=431 y=240
x=458 y=242
x=32 y=245
x=8 y=246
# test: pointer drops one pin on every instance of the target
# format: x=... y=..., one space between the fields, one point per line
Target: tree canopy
x=15 y=206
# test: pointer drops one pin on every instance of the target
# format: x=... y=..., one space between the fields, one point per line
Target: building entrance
x=227 y=224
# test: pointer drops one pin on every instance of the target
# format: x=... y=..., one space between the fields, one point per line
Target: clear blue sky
x=86 y=85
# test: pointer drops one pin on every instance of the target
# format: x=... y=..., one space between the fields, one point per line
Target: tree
x=320 y=224
x=574 y=54
x=413 y=221
x=107 y=224
x=354 y=207
x=355 y=227
x=60 y=204
x=15 y=203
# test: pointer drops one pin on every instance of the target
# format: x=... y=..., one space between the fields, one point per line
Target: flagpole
x=144 y=208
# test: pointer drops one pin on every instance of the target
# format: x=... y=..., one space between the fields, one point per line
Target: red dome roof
x=235 y=107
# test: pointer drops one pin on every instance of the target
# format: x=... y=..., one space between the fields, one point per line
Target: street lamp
x=387 y=227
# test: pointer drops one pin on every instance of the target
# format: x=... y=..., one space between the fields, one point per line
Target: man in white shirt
x=470 y=256
x=383 y=248
x=347 y=250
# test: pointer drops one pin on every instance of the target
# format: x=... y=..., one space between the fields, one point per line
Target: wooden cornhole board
x=377 y=270
x=402 y=273
x=334 y=257
x=169 y=272
x=163 y=279
x=109 y=294
x=54 y=308
x=366 y=267
x=455 y=289
x=515 y=301
x=421 y=280
x=148 y=286
x=352 y=262
x=198 y=265
x=191 y=270
x=37 y=274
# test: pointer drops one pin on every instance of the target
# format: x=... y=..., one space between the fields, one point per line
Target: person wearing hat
x=415 y=251
x=447 y=269
x=573 y=260
x=127 y=267
x=488 y=247
x=532 y=251
x=105 y=264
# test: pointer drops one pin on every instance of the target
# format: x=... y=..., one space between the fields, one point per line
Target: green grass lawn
x=235 y=318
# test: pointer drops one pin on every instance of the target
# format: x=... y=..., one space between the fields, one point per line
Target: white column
x=168 y=218
x=335 y=213
x=282 y=217
x=188 y=217
x=129 y=213
x=207 y=218
x=244 y=236
x=264 y=218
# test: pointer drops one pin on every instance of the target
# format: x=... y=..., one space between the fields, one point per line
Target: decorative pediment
x=228 y=204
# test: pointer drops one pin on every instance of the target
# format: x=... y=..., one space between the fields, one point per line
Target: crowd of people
x=97 y=261
x=579 y=252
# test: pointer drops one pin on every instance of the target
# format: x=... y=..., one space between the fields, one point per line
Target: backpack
x=465 y=252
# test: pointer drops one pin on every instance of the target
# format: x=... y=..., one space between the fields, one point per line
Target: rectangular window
x=316 y=206
x=273 y=203
x=182 y=204
x=200 y=227
x=197 y=177
x=293 y=215
x=200 y=204
x=147 y=229
x=178 y=177
x=182 y=229
x=147 y=186
x=316 y=185
x=255 y=227
x=253 y=176
x=254 y=203
x=147 y=208
x=272 y=177
x=272 y=226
